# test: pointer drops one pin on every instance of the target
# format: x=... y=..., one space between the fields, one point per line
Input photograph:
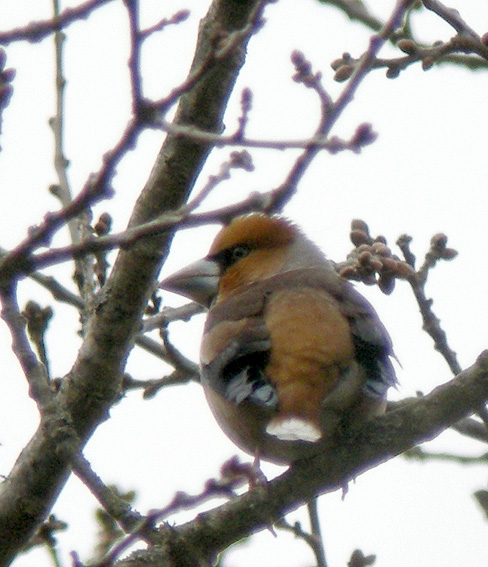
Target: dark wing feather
x=371 y=341
x=237 y=370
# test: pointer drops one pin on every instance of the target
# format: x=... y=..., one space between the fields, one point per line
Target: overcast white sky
x=426 y=173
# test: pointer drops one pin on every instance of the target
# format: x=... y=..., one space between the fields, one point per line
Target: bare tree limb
x=198 y=542
x=95 y=380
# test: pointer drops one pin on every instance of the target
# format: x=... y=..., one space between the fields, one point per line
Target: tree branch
x=34 y=370
x=431 y=323
x=356 y=11
x=451 y=16
x=95 y=379
x=39 y=30
x=79 y=228
x=197 y=542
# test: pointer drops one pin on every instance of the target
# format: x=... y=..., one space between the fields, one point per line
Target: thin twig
x=135 y=55
x=368 y=58
x=34 y=371
x=451 y=16
x=152 y=386
x=170 y=314
x=227 y=44
x=297 y=530
x=431 y=323
x=161 y=106
x=482 y=413
x=314 y=538
x=115 y=506
x=57 y=290
x=237 y=160
x=140 y=106
x=176 y=358
x=176 y=18
x=198 y=135
x=438 y=53
x=11 y=263
x=357 y=11
x=37 y=319
x=36 y=31
x=420 y=454
x=63 y=190
x=78 y=227
x=246 y=106
x=466 y=41
x=472 y=428
x=317 y=537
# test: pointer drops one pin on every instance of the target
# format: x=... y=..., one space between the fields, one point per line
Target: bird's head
x=250 y=248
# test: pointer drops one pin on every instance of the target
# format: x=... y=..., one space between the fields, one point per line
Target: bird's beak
x=198 y=281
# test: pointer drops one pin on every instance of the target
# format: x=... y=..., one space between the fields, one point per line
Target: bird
x=292 y=355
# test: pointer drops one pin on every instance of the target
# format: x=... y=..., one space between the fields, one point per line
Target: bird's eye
x=238 y=253
x=228 y=257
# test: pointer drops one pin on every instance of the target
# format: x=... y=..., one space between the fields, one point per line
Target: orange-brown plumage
x=302 y=366
x=290 y=350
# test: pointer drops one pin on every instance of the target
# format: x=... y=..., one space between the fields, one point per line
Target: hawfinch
x=291 y=352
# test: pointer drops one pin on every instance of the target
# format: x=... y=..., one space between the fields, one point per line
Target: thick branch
x=197 y=542
x=95 y=379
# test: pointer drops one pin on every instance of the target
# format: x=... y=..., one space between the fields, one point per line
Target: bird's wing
x=372 y=342
x=235 y=350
